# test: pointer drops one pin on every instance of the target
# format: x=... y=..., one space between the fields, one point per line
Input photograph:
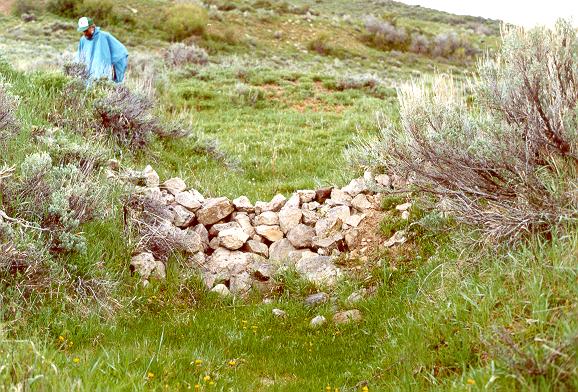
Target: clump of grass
x=347 y=82
x=322 y=45
x=244 y=94
x=184 y=20
x=9 y=125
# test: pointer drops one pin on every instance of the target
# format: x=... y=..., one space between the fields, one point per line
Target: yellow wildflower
x=471 y=381
x=150 y=375
x=197 y=387
x=206 y=378
x=328 y=388
x=76 y=360
x=211 y=383
x=365 y=388
x=61 y=338
x=232 y=362
x=198 y=362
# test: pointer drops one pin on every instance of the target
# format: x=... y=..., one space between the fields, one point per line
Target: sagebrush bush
x=357 y=82
x=179 y=54
x=322 y=45
x=509 y=163
x=385 y=35
x=184 y=20
x=244 y=94
x=8 y=123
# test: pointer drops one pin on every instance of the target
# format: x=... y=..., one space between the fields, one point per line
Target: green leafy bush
x=184 y=20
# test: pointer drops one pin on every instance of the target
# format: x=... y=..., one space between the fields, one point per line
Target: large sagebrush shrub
x=179 y=54
x=506 y=161
x=184 y=20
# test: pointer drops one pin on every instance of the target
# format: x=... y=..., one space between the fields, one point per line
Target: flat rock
x=301 y=236
x=266 y=218
x=341 y=212
x=174 y=185
x=403 y=207
x=361 y=203
x=289 y=218
x=340 y=197
x=183 y=218
x=354 y=220
x=347 y=316
x=306 y=195
x=213 y=210
x=355 y=187
x=319 y=270
x=271 y=233
x=243 y=204
x=316 y=299
x=233 y=239
x=218 y=227
x=327 y=226
x=257 y=248
x=397 y=238
x=190 y=200
x=279 y=250
x=329 y=242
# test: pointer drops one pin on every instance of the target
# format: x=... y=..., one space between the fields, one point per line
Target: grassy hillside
x=285 y=89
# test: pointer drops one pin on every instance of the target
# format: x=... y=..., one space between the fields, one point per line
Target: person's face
x=89 y=32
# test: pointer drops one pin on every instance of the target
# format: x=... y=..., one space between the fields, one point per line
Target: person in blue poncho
x=104 y=55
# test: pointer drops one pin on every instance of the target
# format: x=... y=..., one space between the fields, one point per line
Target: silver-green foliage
x=506 y=160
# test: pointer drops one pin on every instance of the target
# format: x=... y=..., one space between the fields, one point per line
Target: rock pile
x=241 y=245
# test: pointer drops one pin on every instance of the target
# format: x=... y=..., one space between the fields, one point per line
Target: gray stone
x=296 y=255
x=257 y=248
x=318 y=321
x=233 y=239
x=201 y=230
x=217 y=228
x=271 y=233
x=397 y=238
x=189 y=200
x=279 y=250
x=310 y=217
x=214 y=243
x=316 y=299
x=328 y=243
x=383 y=180
x=153 y=194
x=183 y=218
x=403 y=207
x=405 y=215
x=188 y=241
x=361 y=203
x=340 y=197
x=269 y=218
x=213 y=210
x=356 y=296
x=310 y=206
x=341 y=212
x=301 y=236
x=347 y=316
x=289 y=218
x=279 y=313
x=355 y=220
x=227 y=263
x=221 y=289
x=174 y=185
x=147 y=267
x=243 y=204
x=293 y=202
x=245 y=222
x=356 y=187
x=351 y=237
x=306 y=195
x=240 y=284
x=319 y=270
x=274 y=205
x=151 y=178
x=263 y=271
x=327 y=226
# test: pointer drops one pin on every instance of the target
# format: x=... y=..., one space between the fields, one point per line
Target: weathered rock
x=356 y=187
x=221 y=289
x=279 y=250
x=186 y=241
x=147 y=267
x=306 y=195
x=263 y=271
x=151 y=178
x=397 y=238
x=218 y=227
x=301 y=236
x=227 y=263
x=383 y=180
x=351 y=237
x=233 y=239
x=215 y=243
x=319 y=270
x=153 y=194
x=245 y=222
x=318 y=321
x=274 y=205
x=296 y=255
x=269 y=218
x=329 y=243
x=293 y=202
x=289 y=218
x=243 y=204
x=340 y=197
x=341 y=212
x=198 y=259
x=189 y=200
x=174 y=185
x=240 y=283
x=310 y=217
x=361 y=203
x=279 y=313
x=271 y=233
x=356 y=296
x=257 y=248
x=347 y=316
x=213 y=210
x=405 y=215
x=322 y=194
x=403 y=207
x=183 y=218
x=327 y=226
x=368 y=177
x=316 y=299
x=310 y=206
x=354 y=220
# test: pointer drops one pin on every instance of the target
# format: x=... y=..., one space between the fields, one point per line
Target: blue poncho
x=100 y=54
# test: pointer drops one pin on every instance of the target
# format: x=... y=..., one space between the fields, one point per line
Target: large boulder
x=319 y=270
x=301 y=236
x=214 y=210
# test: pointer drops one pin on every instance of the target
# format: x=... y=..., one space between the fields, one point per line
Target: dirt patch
x=6 y=6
